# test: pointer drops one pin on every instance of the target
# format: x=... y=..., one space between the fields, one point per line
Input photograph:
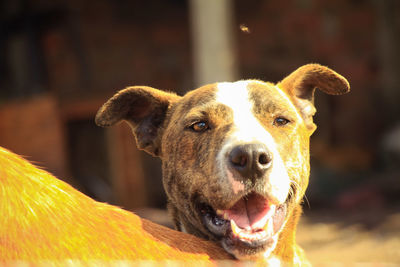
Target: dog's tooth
x=235 y=229
x=262 y=223
x=220 y=212
x=255 y=236
x=246 y=236
x=263 y=234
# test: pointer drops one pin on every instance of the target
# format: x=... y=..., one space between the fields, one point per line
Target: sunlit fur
x=244 y=111
x=45 y=219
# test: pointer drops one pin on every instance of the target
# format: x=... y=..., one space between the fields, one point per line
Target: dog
x=45 y=220
x=235 y=156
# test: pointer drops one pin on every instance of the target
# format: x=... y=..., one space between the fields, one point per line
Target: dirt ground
x=369 y=236
x=346 y=238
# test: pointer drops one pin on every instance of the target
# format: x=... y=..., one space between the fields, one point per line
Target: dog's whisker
x=308 y=202
x=295 y=187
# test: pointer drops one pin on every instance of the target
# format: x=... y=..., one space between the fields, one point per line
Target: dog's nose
x=250 y=160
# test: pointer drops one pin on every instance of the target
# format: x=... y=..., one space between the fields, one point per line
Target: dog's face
x=235 y=160
x=235 y=155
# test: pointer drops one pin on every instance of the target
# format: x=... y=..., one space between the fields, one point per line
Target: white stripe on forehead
x=236 y=96
x=248 y=129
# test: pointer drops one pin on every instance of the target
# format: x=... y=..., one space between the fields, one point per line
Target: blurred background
x=61 y=60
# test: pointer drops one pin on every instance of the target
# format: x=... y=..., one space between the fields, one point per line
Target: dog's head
x=235 y=155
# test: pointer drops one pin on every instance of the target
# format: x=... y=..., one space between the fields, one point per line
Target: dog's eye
x=281 y=121
x=200 y=126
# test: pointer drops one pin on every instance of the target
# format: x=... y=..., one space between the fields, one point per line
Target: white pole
x=214 y=52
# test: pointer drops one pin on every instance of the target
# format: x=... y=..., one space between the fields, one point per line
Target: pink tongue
x=247 y=212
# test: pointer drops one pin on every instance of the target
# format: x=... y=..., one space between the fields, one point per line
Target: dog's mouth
x=249 y=227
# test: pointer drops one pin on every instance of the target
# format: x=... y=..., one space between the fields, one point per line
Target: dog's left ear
x=144 y=109
x=300 y=85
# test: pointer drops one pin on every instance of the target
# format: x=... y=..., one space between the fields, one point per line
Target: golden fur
x=44 y=219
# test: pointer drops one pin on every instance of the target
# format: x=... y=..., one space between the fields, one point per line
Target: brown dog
x=235 y=156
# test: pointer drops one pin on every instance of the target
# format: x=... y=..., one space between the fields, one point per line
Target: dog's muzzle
x=251 y=223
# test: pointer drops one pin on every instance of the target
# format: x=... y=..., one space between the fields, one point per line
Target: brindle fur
x=161 y=124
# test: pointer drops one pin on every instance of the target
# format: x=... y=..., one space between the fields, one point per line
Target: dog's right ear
x=144 y=109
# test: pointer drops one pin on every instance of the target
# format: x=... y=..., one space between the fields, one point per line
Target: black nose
x=250 y=160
